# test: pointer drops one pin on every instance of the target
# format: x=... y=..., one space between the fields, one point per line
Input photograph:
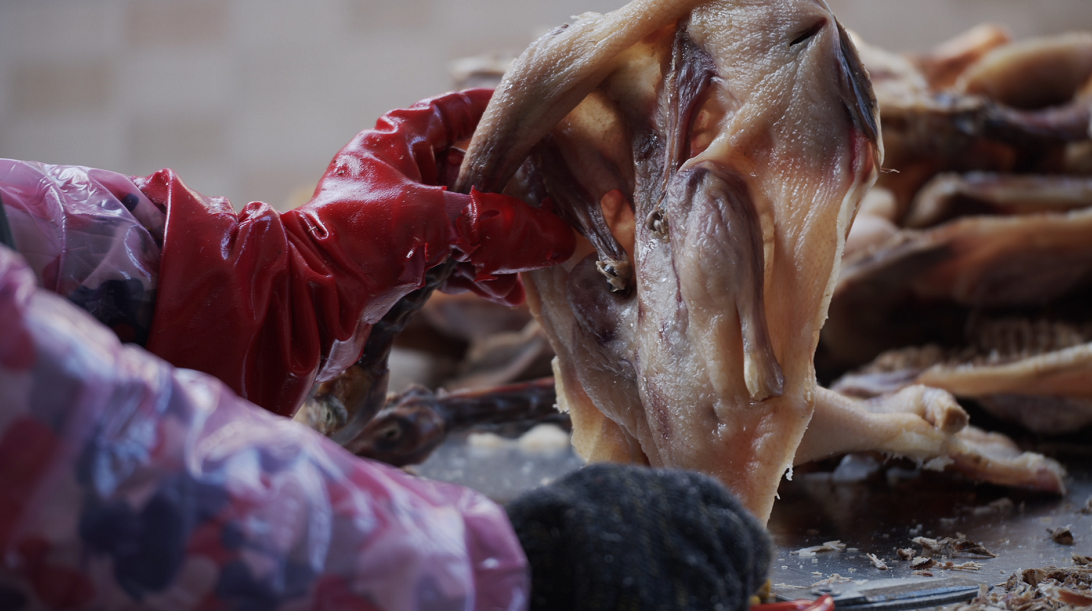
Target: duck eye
x=391 y=433
x=808 y=34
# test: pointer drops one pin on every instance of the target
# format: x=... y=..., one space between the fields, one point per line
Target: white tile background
x=251 y=98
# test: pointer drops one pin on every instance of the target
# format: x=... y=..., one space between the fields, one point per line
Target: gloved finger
x=504 y=289
x=503 y=235
x=415 y=140
x=392 y=178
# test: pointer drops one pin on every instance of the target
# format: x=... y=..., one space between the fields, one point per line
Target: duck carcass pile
x=972 y=271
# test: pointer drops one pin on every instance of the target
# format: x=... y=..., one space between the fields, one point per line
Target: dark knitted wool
x=612 y=537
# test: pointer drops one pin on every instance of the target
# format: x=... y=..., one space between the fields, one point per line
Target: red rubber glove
x=263 y=300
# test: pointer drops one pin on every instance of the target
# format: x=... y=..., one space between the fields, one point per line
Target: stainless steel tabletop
x=870 y=506
x=880 y=511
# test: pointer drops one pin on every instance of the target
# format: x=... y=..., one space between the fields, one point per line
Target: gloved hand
x=615 y=536
x=264 y=300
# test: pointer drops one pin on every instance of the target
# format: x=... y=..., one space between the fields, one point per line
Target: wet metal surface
x=886 y=509
x=897 y=594
x=869 y=506
x=497 y=467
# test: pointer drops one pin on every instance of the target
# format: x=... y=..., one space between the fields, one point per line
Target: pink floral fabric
x=128 y=484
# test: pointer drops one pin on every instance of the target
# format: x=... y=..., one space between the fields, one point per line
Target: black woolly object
x=626 y=537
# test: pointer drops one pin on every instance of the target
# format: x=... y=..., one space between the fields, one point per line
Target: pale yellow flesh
x=1064 y=372
x=927 y=425
x=973 y=261
x=776 y=116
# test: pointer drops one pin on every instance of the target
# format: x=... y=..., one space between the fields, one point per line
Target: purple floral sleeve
x=128 y=484
x=89 y=235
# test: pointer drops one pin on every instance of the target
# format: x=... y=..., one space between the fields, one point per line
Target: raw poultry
x=742 y=134
x=713 y=157
x=976 y=277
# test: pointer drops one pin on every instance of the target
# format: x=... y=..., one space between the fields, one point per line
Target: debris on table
x=833 y=579
x=877 y=562
x=829 y=546
x=1002 y=506
x=922 y=562
x=950 y=547
x=969 y=565
x=1045 y=589
x=1061 y=535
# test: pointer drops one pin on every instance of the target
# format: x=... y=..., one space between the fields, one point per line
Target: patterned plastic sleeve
x=89 y=235
x=127 y=483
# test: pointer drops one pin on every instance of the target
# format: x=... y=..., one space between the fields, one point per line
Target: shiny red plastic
x=823 y=603
x=264 y=300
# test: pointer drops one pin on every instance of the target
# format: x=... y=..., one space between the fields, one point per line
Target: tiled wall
x=251 y=98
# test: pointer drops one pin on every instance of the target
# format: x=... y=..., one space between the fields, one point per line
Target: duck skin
x=713 y=154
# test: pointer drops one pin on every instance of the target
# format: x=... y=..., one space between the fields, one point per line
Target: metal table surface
x=887 y=509
x=868 y=506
